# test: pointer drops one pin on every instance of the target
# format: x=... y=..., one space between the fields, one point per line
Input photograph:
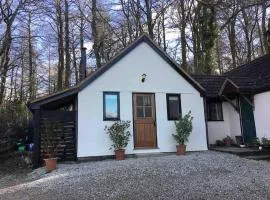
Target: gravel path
x=201 y=175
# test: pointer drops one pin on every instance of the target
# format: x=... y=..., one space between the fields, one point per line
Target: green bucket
x=21 y=147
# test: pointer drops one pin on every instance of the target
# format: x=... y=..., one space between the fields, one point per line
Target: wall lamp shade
x=143 y=77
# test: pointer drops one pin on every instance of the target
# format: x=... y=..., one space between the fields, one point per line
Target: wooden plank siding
x=64 y=135
x=36 y=155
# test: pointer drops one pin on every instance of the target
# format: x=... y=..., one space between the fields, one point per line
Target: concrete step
x=258 y=157
x=243 y=152
x=149 y=155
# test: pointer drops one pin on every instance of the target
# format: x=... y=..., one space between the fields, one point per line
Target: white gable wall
x=125 y=77
x=230 y=126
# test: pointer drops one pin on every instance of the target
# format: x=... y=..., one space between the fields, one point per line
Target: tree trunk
x=22 y=76
x=261 y=38
x=264 y=31
x=81 y=69
x=67 y=75
x=232 y=40
x=30 y=57
x=4 y=62
x=164 y=32
x=96 y=45
x=60 y=45
x=11 y=84
x=148 y=5
x=248 y=42
x=183 y=34
x=74 y=62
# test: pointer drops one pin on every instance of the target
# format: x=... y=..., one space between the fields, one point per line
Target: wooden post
x=76 y=125
x=236 y=107
x=205 y=120
x=36 y=156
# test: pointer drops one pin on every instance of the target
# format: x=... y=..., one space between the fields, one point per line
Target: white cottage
x=142 y=85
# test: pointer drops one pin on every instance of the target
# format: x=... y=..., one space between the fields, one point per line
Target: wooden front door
x=144 y=115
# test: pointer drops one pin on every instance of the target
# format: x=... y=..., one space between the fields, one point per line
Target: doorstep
x=259 y=157
x=246 y=152
x=151 y=155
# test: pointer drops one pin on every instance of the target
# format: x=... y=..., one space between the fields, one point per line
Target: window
x=214 y=111
x=173 y=106
x=144 y=105
x=111 y=106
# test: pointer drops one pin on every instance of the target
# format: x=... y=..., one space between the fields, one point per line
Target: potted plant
x=265 y=142
x=50 y=144
x=255 y=142
x=119 y=135
x=228 y=141
x=220 y=143
x=183 y=130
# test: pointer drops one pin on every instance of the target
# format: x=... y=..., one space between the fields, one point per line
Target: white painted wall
x=217 y=130
x=262 y=114
x=125 y=77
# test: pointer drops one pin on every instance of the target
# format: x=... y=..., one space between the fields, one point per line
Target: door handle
x=154 y=121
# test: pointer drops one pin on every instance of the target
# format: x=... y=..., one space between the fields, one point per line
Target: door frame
x=133 y=119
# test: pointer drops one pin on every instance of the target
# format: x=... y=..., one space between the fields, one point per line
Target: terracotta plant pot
x=120 y=154
x=228 y=143
x=181 y=149
x=50 y=163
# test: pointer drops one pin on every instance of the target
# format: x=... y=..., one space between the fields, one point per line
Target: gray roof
x=252 y=78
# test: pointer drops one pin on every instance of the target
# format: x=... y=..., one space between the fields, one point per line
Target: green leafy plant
x=265 y=141
x=48 y=138
x=14 y=118
x=255 y=141
x=119 y=134
x=183 y=129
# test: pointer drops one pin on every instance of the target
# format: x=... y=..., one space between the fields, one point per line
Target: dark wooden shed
x=61 y=108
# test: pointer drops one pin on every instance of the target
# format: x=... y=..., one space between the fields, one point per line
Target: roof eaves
x=55 y=96
x=227 y=80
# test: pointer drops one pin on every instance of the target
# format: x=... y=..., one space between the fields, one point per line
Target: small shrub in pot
x=119 y=135
x=228 y=141
x=50 y=144
x=265 y=142
x=255 y=142
x=220 y=143
x=183 y=130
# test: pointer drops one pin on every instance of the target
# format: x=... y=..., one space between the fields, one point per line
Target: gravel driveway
x=200 y=175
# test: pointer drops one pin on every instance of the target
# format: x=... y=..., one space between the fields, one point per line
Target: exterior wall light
x=143 y=77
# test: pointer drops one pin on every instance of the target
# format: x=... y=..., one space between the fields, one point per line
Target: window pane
x=140 y=112
x=219 y=111
x=215 y=111
x=139 y=100
x=173 y=107
x=173 y=98
x=148 y=111
x=111 y=103
x=147 y=101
